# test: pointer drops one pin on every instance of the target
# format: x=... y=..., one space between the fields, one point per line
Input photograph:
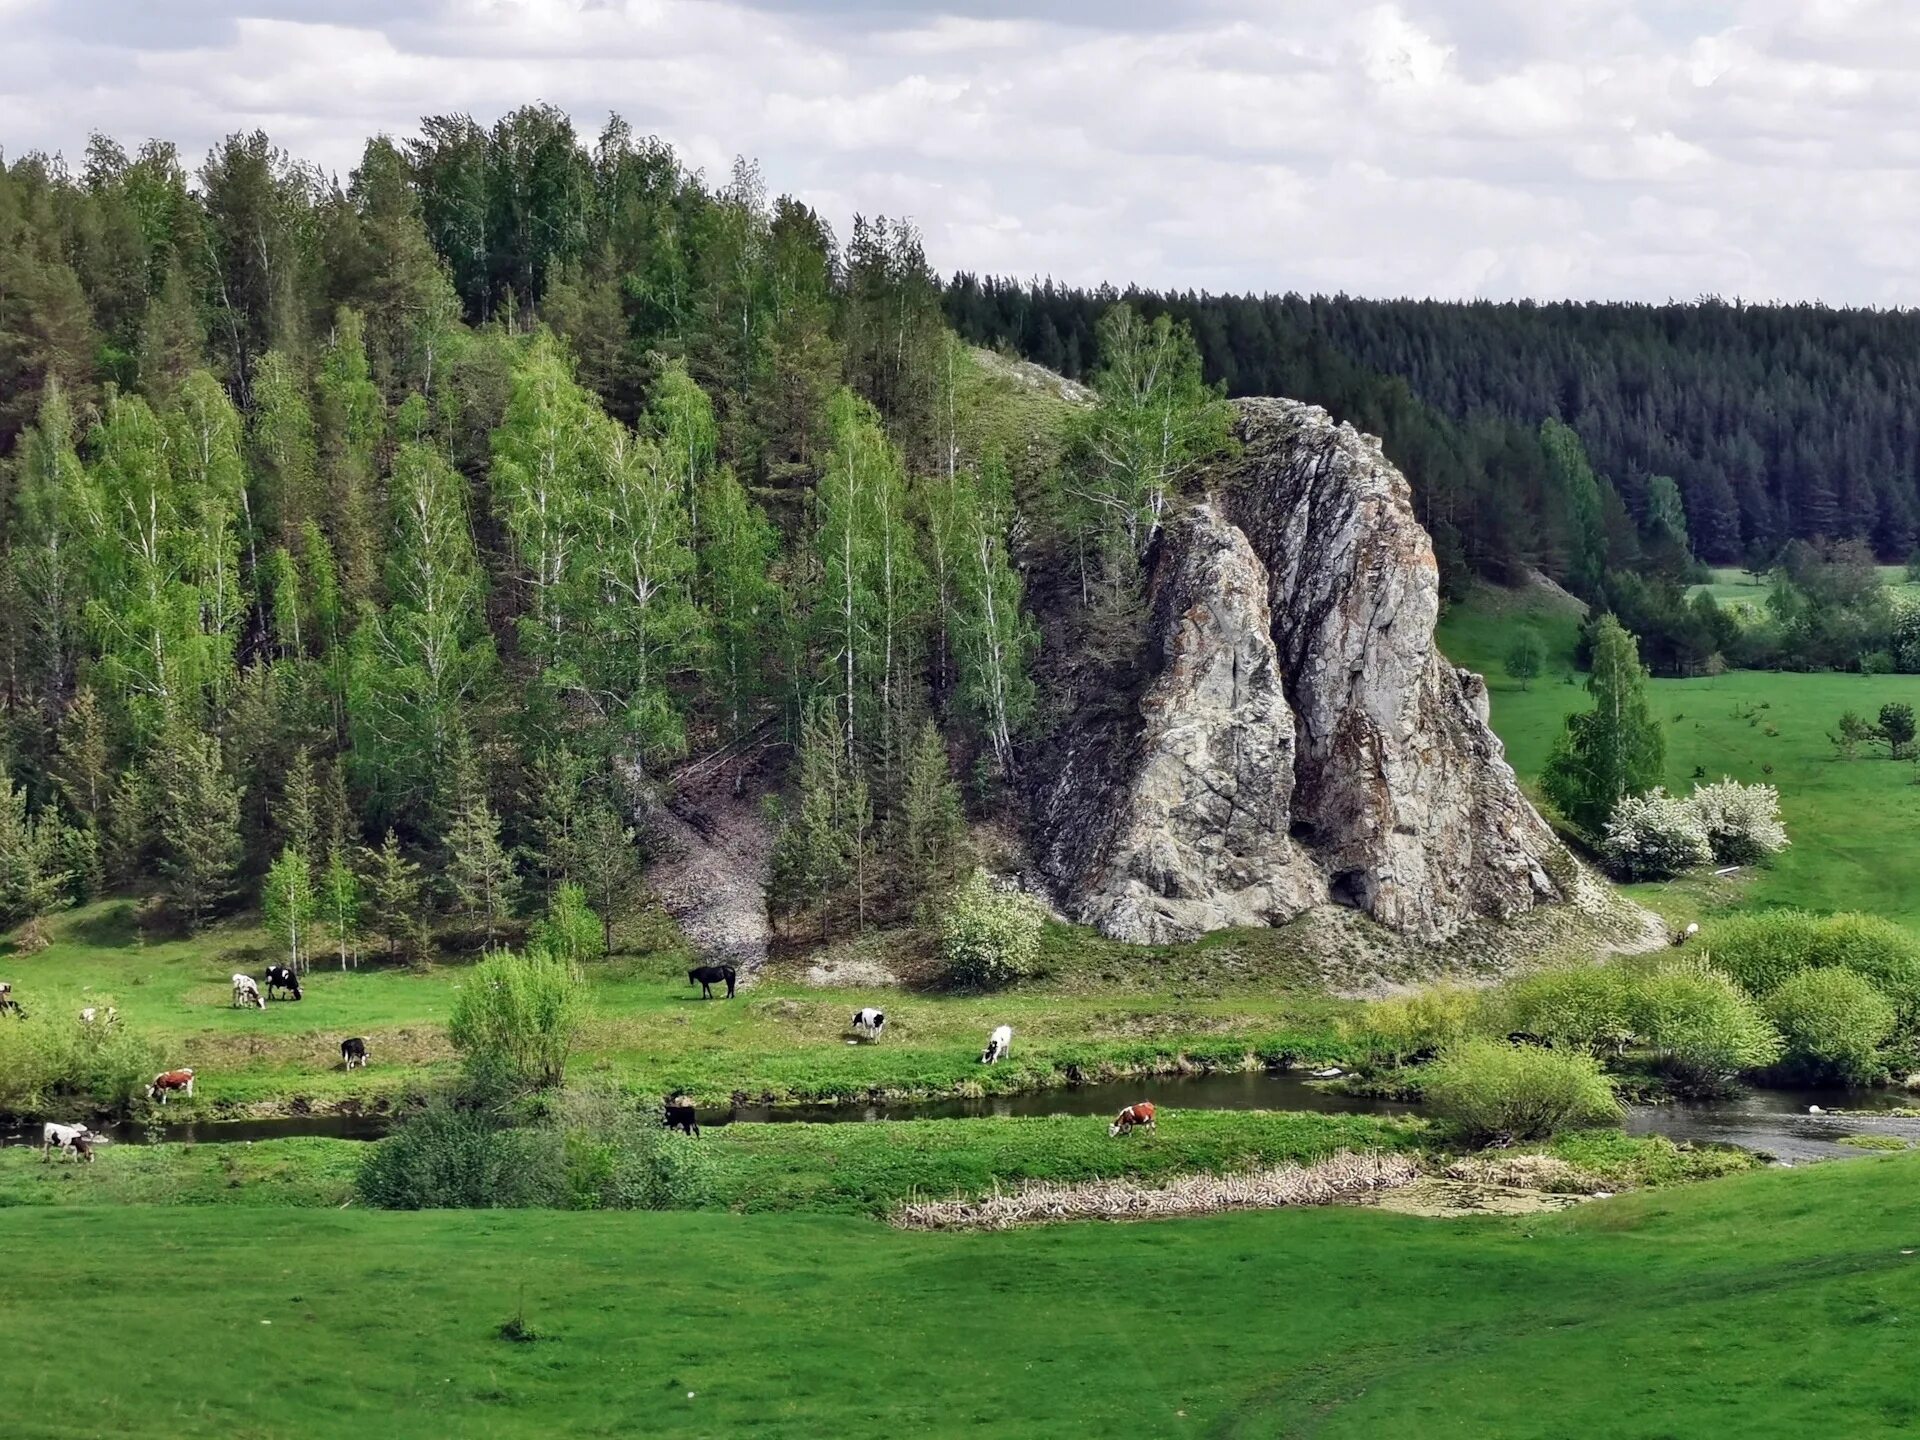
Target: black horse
x=708 y=976
x=681 y=1115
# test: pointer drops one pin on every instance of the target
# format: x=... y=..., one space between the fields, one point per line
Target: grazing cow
x=353 y=1053
x=9 y=1005
x=681 y=1115
x=708 y=976
x=167 y=1082
x=1132 y=1118
x=869 y=1022
x=100 y=1014
x=76 y=1140
x=279 y=977
x=1693 y=929
x=245 y=992
x=998 y=1044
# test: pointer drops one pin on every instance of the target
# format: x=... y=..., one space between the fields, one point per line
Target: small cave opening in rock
x=1301 y=830
x=1348 y=888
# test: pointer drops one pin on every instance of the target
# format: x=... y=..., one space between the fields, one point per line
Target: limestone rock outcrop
x=1300 y=737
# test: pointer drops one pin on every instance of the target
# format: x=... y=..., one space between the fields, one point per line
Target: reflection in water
x=1774 y=1121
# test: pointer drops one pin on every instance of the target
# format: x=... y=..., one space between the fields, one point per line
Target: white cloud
x=1603 y=148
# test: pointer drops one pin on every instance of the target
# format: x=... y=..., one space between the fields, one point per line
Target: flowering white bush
x=1654 y=835
x=989 y=936
x=1741 y=822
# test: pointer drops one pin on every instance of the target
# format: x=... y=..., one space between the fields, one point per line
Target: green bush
x=47 y=1060
x=1763 y=950
x=1495 y=1093
x=620 y=1156
x=445 y=1158
x=1583 y=1007
x=1386 y=1032
x=988 y=937
x=516 y=1018
x=1833 y=1022
x=1702 y=1027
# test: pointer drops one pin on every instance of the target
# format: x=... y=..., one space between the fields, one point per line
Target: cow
x=708 y=976
x=353 y=1052
x=245 y=992
x=998 y=1044
x=1693 y=929
x=76 y=1140
x=167 y=1082
x=1527 y=1037
x=9 y=1005
x=1132 y=1118
x=869 y=1022
x=99 y=1014
x=280 y=977
x=681 y=1115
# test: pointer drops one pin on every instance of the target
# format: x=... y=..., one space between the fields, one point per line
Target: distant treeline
x=1777 y=422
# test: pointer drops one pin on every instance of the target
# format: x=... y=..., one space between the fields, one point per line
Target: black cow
x=1527 y=1037
x=353 y=1052
x=279 y=977
x=681 y=1115
x=708 y=976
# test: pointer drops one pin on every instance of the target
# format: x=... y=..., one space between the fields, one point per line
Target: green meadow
x=1854 y=824
x=1771 y=1304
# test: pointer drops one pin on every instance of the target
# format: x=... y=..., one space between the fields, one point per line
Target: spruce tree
x=606 y=863
x=288 y=906
x=1615 y=749
x=480 y=870
x=196 y=825
x=928 y=826
x=395 y=890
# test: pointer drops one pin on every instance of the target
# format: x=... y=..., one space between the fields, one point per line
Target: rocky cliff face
x=1300 y=738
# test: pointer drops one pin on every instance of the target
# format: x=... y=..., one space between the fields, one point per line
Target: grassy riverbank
x=862 y=1168
x=1097 y=1012
x=1763 y=1305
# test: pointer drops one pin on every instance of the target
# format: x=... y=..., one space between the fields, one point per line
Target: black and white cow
x=9 y=1005
x=281 y=977
x=75 y=1140
x=681 y=1115
x=245 y=992
x=869 y=1022
x=998 y=1044
x=353 y=1053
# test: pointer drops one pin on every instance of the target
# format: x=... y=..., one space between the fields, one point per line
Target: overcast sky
x=1626 y=149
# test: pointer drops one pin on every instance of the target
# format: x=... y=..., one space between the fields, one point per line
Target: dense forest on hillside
x=1776 y=422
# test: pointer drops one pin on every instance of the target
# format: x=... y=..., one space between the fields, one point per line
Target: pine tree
x=394 y=887
x=813 y=856
x=299 y=798
x=196 y=824
x=33 y=879
x=606 y=862
x=928 y=825
x=288 y=906
x=480 y=869
x=129 y=835
x=81 y=765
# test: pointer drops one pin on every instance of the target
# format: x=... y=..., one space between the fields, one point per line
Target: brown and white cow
x=75 y=1140
x=167 y=1082
x=1135 y=1116
x=245 y=992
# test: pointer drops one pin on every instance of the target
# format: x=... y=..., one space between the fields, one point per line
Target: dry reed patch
x=1527 y=1172
x=1339 y=1177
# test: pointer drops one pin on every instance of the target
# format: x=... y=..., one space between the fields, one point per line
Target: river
x=1777 y=1122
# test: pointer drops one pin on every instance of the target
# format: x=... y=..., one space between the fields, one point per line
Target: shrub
x=570 y=929
x=620 y=1157
x=1654 y=835
x=1582 y=1007
x=1386 y=1033
x=1762 y=951
x=1833 y=1022
x=989 y=936
x=46 y=1060
x=1703 y=1028
x=516 y=1018
x=1495 y=1094
x=1741 y=822
x=445 y=1158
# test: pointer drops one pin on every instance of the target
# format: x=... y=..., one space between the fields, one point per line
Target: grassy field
x=1096 y=1013
x=1732 y=586
x=1855 y=825
x=1772 y=1304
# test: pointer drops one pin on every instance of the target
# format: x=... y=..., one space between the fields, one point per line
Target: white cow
x=869 y=1022
x=998 y=1044
x=102 y=1014
x=75 y=1140
x=245 y=992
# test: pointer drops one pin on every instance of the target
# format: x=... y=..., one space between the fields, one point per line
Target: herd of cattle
x=868 y=1024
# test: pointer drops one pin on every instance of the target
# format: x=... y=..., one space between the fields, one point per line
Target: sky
x=1592 y=149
